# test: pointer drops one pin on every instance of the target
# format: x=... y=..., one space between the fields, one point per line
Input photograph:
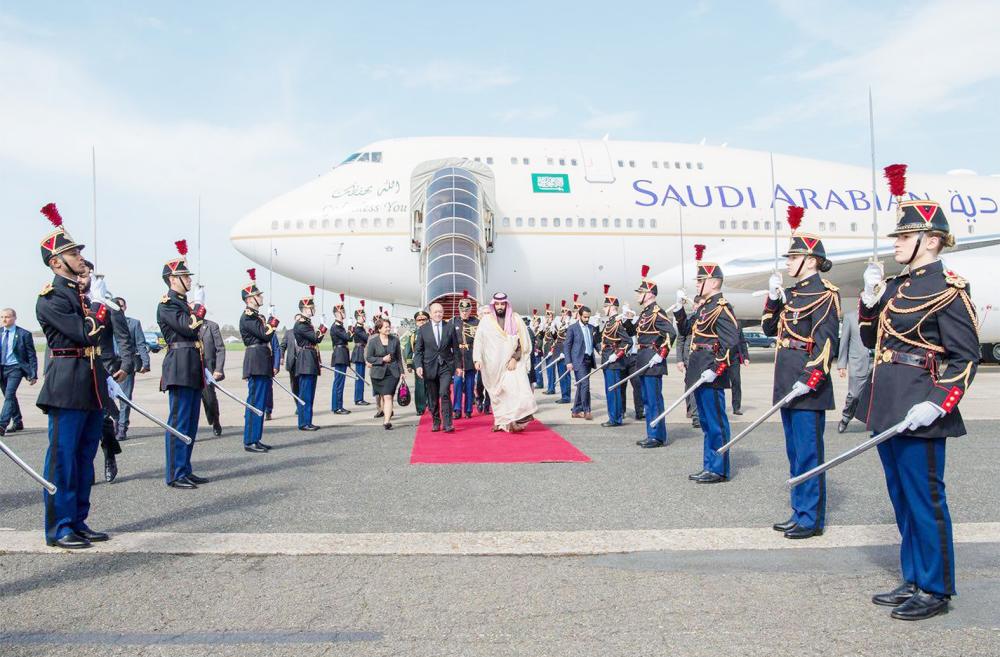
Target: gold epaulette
x=165 y=298
x=830 y=286
x=722 y=301
x=45 y=290
x=248 y=312
x=954 y=280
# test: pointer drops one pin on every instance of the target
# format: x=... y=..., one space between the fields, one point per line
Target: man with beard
x=502 y=355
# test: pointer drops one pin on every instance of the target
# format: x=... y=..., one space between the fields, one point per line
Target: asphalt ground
x=354 y=479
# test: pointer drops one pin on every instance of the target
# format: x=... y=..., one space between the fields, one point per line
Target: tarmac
x=333 y=544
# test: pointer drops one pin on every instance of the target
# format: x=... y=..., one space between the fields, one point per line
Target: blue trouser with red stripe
x=804 y=445
x=914 y=475
x=359 y=383
x=652 y=403
x=615 y=397
x=463 y=393
x=185 y=410
x=253 y=424
x=69 y=464
x=715 y=425
x=307 y=392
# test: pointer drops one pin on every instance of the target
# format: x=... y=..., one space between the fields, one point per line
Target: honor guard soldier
x=306 y=339
x=340 y=359
x=655 y=334
x=615 y=342
x=548 y=337
x=73 y=393
x=805 y=319
x=628 y=321
x=359 y=336
x=183 y=374
x=923 y=327
x=715 y=342
x=409 y=342
x=558 y=340
x=464 y=387
x=258 y=362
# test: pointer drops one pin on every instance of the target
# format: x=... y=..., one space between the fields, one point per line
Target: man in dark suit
x=434 y=357
x=137 y=342
x=17 y=362
x=579 y=350
x=215 y=362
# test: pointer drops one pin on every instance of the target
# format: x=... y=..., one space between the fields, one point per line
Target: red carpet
x=475 y=442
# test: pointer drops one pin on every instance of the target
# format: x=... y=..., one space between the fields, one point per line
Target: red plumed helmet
x=548 y=306
x=52 y=214
x=795 y=214
x=465 y=294
x=576 y=297
x=182 y=247
x=699 y=251
x=341 y=297
x=534 y=311
x=362 y=302
x=645 y=271
x=252 y=273
x=563 y=303
x=607 y=288
x=896 y=175
x=312 y=290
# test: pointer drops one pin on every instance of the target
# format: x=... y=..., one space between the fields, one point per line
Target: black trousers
x=210 y=400
x=737 y=387
x=438 y=390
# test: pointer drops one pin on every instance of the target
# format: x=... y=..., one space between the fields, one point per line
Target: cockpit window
x=371 y=156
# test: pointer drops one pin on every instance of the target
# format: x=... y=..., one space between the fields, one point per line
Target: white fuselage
x=627 y=204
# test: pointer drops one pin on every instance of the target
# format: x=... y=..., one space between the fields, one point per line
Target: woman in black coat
x=385 y=358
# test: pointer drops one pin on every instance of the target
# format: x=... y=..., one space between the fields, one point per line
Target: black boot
x=110 y=468
x=897 y=596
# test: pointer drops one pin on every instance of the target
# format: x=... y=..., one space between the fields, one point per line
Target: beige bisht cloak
x=510 y=392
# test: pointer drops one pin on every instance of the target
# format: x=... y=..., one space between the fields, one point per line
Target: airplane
x=412 y=220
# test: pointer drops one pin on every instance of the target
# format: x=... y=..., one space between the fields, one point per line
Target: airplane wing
x=751 y=274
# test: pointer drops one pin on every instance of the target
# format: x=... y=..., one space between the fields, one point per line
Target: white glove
x=774 y=286
x=800 y=389
x=923 y=414
x=656 y=359
x=873 y=278
x=200 y=295
x=99 y=292
x=681 y=297
x=613 y=357
x=708 y=376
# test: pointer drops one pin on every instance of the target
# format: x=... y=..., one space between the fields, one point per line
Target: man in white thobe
x=502 y=354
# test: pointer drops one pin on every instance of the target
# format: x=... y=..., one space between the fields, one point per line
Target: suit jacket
x=575 y=348
x=139 y=343
x=23 y=346
x=258 y=360
x=214 y=347
x=288 y=346
x=436 y=359
x=375 y=350
x=302 y=357
x=854 y=356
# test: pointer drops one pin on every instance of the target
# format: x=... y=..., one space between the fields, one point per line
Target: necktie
x=437 y=333
x=3 y=347
x=586 y=339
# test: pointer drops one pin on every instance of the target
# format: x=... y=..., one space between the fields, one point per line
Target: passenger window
x=656 y=165
x=642 y=223
x=621 y=164
x=326 y=223
x=364 y=222
x=390 y=222
x=544 y=222
x=822 y=225
x=300 y=224
x=756 y=225
x=652 y=223
x=489 y=160
x=677 y=165
x=519 y=222
x=688 y=164
x=377 y=222
x=274 y=225
x=556 y=222
x=350 y=223
x=550 y=161
x=531 y=222
x=562 y=161
x=854 y=227
x=338 y=223
x=364 y=157
x=833 y=226
x=722 y=224
x=767 y=225
x=288 y=224
x=572 y=163
x=732 y=224
x=618 y=222
x=376 y=157
x=525 y=160
x=631 y=163
x=628 y=223
x=513 y=160
x=700 y=166
x=506 y=222
x=746 y=225
x=580 y=223
x=604 y=222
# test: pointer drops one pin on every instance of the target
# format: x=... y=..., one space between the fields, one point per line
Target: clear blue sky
x=237 y=104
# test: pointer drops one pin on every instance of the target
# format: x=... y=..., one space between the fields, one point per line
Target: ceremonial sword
x=813 y=381
x=348 y=371
x=298 y=400
x=849 y=454
x=594 y=371
x=210 y=380
x=546 y=363
x=687 y=393
x=116 y=392
x=632 y=375
x=48 y=485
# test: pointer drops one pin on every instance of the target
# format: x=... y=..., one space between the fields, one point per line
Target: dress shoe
x=3 y=431
x=696 y=423
x=842 y=425
x=362 y=403
x=449 y=429
x=468 y=416
x=650 y=444
x=562 y=401
x=609 y=423
x=798 y=531
x=217 y=429
x=264 y=445
x=184 y=483
x=19 y=427
x=436 y=426
x=576 y=416
x=694 y=476
x=588 y=416
x=640 y=415
x=110 y=468
x=547 y=392
x=737 y=411
x=267 y=416
x=784 y=526
x=195 y=479
x=387 y=426
x=920 y=606
x=380 y=413
x=309 y=427
x=69 y=542
x=341 y=411
x=254 y=447
x=711 y=478
x=897 y=596
x=92 y=536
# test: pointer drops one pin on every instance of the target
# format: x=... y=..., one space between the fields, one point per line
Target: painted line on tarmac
x=498 y=543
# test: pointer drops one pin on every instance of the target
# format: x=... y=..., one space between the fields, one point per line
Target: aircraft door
x=596 y=161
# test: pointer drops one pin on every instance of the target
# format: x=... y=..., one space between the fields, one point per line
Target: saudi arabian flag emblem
x=550 y=183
